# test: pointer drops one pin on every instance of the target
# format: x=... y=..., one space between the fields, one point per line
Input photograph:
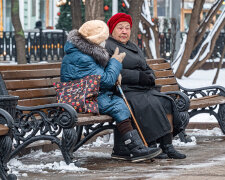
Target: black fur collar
x=99 y=53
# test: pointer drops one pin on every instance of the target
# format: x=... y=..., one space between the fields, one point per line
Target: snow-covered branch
x=207 y=20
x=126 y=3
x=207 y=46
x=146 y=19
x=178 y=58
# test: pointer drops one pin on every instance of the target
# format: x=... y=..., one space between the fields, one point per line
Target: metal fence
x=48 y=45
x=41 y=45
x=167 y=45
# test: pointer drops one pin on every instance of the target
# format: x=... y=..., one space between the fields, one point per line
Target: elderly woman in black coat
x=153 y=110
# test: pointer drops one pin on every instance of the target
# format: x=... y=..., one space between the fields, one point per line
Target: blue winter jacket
x=83 y=58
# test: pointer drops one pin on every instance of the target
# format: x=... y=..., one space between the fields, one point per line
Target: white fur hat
x=95 y=31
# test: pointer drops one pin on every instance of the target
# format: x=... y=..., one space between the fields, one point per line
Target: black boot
x=138 y=151
x=120 y=151
x=172 y=152
x=162 y=155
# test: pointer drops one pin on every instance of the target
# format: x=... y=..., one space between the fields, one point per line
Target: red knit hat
x=115 y=19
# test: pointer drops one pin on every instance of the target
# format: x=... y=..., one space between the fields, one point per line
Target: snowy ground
x=42 y=163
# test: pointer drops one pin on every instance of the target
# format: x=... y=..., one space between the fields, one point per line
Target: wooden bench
x=39 y=117
x=209 y=99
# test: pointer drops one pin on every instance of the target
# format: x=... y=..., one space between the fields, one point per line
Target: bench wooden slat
x=34 y=93
x=30 y=84
x=205 y=97
x=170 y=88
x=166 y=73
x=30 y=66
x=161 y=66
x=166 y=81
x=3 y=130
x=155 y=61
x=30 y=74
x=94 y=119
x=207 y=101
x=37 y=101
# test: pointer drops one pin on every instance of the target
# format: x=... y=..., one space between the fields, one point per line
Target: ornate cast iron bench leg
x=46 y=122
x=221 y=117
x=5 y=146
x=5 y=150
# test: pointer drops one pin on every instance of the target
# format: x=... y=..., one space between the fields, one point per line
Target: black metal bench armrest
x=203 y=91
x=62 y=108
x=7 y=118
x=181 y=100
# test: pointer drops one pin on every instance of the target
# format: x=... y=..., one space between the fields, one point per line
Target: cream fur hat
x=95 y=31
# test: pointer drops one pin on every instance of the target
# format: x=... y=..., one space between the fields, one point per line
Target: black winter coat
x=149 y=105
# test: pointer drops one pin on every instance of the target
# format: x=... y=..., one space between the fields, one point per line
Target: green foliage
x=65 y=18
x=121 y=8
x=108 y=13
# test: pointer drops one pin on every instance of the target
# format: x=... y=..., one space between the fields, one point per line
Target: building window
x=161 y=8
x=187 y=18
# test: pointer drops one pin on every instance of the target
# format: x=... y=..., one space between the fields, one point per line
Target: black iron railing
x=48 y=45
x=41 y=45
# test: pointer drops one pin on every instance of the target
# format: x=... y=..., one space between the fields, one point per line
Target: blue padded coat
x=84 y=58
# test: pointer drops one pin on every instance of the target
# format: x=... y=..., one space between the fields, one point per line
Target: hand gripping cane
x=134 y=119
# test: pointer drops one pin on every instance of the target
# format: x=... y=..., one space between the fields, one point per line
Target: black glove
x=146 y=79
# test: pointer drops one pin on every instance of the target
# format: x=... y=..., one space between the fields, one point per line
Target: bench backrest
x=33 y=83
x=164 y=74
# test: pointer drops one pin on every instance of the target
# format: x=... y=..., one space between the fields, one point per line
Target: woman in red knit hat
x=155 y=112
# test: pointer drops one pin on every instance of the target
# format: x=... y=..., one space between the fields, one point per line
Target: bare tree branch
x=155 y=34
x=219 y=66
x=190 y=37
x=209 y=43
x=206 y=21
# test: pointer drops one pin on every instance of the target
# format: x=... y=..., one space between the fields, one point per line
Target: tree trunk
x=195 y=16
x=76 y=14
x=135 y=12
x=210 y=43
x=94 y=9
x=19 y=33
x=219 y=66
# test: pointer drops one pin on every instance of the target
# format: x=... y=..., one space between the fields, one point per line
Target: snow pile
x=214 y=132
x=106 y=139
x=16 y=166
x=177 y=142
x=202 y=78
